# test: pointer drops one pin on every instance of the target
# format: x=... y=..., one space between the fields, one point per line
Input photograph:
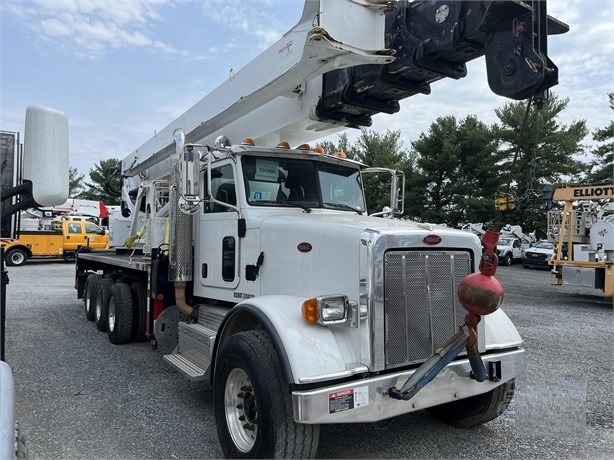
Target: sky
x=121 y=70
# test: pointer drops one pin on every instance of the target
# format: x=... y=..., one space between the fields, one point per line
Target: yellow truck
x=65 y=238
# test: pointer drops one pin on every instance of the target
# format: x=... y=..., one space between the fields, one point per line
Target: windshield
x=544 y=245
x=302 y=183
x=505 y=242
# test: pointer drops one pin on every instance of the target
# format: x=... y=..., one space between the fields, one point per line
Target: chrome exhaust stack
x=180 y=241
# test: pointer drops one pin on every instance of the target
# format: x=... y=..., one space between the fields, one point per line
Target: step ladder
x=193 y=353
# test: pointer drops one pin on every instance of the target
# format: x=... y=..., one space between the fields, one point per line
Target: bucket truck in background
x=253 y=265
x=583 y=234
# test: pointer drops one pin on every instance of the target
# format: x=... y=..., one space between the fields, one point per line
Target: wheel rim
x=241 y=410
x=98 y=307
x=88 y=301
x=17 y=258
x=111 y=314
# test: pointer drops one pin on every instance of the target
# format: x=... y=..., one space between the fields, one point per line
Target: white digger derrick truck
x=254 y=265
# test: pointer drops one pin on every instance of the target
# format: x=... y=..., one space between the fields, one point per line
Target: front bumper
x=535 y=262
x=367 y=400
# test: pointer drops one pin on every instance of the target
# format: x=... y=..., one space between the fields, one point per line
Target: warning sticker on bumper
x=351 y=398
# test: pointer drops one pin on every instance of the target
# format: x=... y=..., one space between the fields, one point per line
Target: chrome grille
x=421 y=309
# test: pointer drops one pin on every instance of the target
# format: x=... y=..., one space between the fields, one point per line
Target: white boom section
x=276 y=93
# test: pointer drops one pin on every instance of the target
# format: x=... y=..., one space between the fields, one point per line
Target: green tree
x=104 y=182
x=456 y=174
x=602 y=167
x=540 y=151
x=75 y=182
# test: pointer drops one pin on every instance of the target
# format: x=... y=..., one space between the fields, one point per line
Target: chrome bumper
x=367 y=400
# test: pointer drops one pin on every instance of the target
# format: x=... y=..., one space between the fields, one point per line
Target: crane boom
x=347 y=60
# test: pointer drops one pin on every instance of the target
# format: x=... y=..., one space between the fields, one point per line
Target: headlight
x=326 y=310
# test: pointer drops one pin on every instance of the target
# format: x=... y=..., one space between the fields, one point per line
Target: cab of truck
x=78 y=233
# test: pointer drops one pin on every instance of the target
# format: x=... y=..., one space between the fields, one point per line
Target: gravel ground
x=80 y=397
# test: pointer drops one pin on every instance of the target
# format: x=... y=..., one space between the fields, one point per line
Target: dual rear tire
x=117 y=308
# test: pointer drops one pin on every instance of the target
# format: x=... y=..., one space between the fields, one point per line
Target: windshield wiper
x=284 y=204
x=344 y=206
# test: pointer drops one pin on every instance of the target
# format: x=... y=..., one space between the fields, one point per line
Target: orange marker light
x=283 y=145
x=248 y=141
x=304 y=147
x=340 y=154
x=318 y=149
x=309 y=310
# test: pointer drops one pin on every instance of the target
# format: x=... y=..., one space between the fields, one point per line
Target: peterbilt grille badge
x=431 y=240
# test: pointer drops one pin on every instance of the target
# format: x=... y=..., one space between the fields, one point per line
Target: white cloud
x=250 y=18
x=90 y=28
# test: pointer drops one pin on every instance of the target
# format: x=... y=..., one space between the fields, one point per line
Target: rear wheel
x=89 y=295
x=102 y=304
x=139 y=302
x=252 y=403
x=16 y=257
x=476 y=410
x=120 y=313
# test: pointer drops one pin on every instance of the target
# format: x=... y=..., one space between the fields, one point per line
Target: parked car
x=537 y=256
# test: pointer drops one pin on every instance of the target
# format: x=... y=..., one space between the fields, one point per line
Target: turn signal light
x=326 y=310
x=309 y=310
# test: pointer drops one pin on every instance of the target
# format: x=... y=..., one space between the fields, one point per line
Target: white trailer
x=253 y=264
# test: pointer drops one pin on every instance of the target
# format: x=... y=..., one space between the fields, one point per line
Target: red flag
x=103 y=211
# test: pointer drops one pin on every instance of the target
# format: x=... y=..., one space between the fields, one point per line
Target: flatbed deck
x=114 y=258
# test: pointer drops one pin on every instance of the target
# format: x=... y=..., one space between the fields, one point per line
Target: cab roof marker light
x=318 y=149
x=248 y=141
x=340 y=154
x=283 y=145
x=304 y=147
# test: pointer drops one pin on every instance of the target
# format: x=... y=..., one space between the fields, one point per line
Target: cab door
x=217 y=257
x=95 y=237
x=74 y=236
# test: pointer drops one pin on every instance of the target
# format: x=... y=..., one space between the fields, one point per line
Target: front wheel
x=476 y=410
x=252 y=403
x=507 y=260
x=16 y=257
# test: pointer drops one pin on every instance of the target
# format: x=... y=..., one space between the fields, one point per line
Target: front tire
x=252 y=403
x=507 y=260
x=16 y=257
x=476 y=410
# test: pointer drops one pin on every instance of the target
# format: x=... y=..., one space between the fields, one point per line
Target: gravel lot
x=80 y=397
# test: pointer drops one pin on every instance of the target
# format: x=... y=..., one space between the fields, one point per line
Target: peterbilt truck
x=253 y=264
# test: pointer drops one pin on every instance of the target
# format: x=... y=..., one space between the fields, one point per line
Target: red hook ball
x=480 y=294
